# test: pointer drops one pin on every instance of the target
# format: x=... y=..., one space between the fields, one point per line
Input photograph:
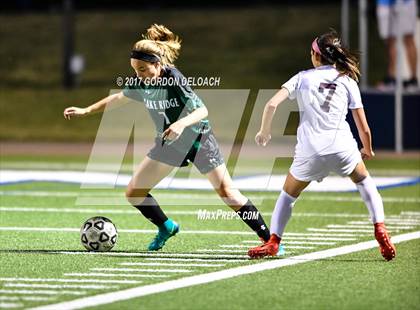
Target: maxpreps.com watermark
x=219 y=214
x=201 y=81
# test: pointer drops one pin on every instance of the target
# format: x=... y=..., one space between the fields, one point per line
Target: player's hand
x=173 y=132
x=74 y=112
x=367 y=154
x=262 y=138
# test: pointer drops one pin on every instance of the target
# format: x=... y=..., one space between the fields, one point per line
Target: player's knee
x=230 y=196
x=224 y=191
x=135 y=196
x=358 y=177
x=408 y=39
x=129 y=192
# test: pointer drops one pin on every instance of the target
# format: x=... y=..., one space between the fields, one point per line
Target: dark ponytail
x=333 y=53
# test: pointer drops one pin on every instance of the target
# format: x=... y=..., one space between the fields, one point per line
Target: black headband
x=144 y=56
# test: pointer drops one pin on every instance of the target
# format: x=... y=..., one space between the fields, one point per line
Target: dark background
x=249 y=44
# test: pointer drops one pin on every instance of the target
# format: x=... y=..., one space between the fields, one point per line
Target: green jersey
x=169 y=101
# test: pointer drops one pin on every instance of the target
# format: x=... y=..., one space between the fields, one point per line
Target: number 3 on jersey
x=331 y=86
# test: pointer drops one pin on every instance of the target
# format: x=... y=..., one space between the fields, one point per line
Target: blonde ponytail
x=161 y=42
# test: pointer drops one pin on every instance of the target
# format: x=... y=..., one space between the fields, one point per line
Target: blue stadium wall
x=380 y=113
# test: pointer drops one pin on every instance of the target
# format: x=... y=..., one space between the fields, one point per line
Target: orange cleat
x=386 y=247
x=269 y=248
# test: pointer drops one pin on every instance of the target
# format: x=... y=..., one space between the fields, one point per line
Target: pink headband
x=315 y=46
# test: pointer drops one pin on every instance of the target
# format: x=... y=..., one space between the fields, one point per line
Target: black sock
x=151 y=210
x=248 y=214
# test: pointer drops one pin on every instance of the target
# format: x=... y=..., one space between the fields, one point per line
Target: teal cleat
x=167 y=230
x=282 y=250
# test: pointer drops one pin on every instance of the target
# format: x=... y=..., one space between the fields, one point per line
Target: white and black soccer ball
x=98 y=234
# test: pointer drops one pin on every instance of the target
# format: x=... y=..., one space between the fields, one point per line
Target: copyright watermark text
x=212 y=81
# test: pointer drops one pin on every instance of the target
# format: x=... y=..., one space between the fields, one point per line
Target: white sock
x=372 y=199
x=281 y=213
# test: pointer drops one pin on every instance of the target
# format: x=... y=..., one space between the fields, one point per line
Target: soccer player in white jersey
x=324 y=140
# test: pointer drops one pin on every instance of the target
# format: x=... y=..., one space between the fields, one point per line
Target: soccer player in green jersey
x=184 y=134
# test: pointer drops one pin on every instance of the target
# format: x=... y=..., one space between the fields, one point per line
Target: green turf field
x=43 y=261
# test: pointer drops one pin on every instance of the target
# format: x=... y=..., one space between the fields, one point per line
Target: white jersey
x=324 y=97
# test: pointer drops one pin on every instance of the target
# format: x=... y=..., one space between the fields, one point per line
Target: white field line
x=389 y=227
x=345 y=233
x=42 y=292
x=287 y=241
x=112 y=201
x=358 y=199
x=84 y=210
x=244 y=246
x=174 y=259
x=319 y=238
x=44 y=165
x=60 y=280
x=78 y=209
x=9 y=298
x=266 y=195
x=128 y=275
x=71 y=210
x=411 y=221
x=306 y=238
x=216 y=202
x=387 y=221
x=340 y=230
x=403 y=219
x=173 y=212
x=138 y=231
x=144 y=270
x=172 y=264
x=411 y=213
x=41 y=193
x=341 y=215
x=229 y=251
x=26 y=298
x=60 y=286
x=107 y=298
x=128 y=168
x=38 y=229
x=292 y=234
x=195 y=196
x=148 y=254
x=9 y=305
x=221 y=251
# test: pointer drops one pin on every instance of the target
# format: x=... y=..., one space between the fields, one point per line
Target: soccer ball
x=98 y=234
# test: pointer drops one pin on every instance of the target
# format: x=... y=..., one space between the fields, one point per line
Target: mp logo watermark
x=128 y=133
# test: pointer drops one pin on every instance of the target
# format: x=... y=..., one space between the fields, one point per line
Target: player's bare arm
x=113 y=100
x=176 y=129
x=363 y=129
x=264 y=135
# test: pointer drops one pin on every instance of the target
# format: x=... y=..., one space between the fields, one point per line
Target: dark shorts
x=206 y=157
